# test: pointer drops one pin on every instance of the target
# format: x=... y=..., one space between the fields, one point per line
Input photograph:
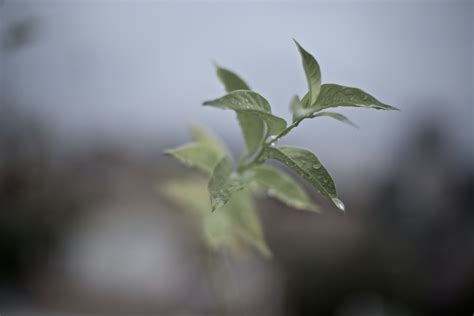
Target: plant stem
x=284 y=132
x=256 y=159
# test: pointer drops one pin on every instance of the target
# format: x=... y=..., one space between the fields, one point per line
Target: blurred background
x=91 y=92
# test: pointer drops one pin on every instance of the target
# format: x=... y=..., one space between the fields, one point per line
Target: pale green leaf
x=241 y=209
x=231 y=80
x=224 y=182
x=205 y=137
x=190 y=193
x=308 y=166
x=336 y=116
x=333 y=95
x=204 y=154
x=196 y=155
x=250 y=102
x=295 y=104
x=235 y=227
x=297 y=108
x=313 y=75
x=283 y=187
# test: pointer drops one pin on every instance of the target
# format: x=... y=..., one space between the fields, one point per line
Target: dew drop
x=316 y=166
x=339 y=204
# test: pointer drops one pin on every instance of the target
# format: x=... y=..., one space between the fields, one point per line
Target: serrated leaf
x=196 y=155
x=253 y=103
x=313 y=75
x=336 y=116
x=283 y=187
x=333 y=95
x=234 y=227
x=224 y=182
x=308 y=166
x=231 y=80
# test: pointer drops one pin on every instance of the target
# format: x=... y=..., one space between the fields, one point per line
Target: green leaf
x=224 y=182
x=305 y=100
x=308 y=166
x=250 y=102
x=231 y=80
x=333 y=95
x=313 y=74
x=283 y=187
x=336 y=116
x=235 y=227
x=254 y=130
x=196 y=155
x=253 y=127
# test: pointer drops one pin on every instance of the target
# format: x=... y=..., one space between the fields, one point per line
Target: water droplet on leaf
x=339 y=204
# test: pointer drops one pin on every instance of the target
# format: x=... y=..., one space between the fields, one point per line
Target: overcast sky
x=139 y=70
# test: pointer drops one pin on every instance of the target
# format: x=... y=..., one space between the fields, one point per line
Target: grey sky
x=139 y=70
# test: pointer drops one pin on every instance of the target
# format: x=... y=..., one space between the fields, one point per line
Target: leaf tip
x=300 y=48
x=314 y=208
x=264 y=250
x=388 y=107
x=215 y=64
x=353 y=125
x=193 y=126
x=167 y=152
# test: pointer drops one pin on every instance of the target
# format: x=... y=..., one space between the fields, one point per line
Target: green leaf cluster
x=230 y=185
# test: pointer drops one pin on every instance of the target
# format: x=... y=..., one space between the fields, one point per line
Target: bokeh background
x=93 y=91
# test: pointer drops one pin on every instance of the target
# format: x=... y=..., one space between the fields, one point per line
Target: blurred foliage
x=231 y=227
x=236 y=223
